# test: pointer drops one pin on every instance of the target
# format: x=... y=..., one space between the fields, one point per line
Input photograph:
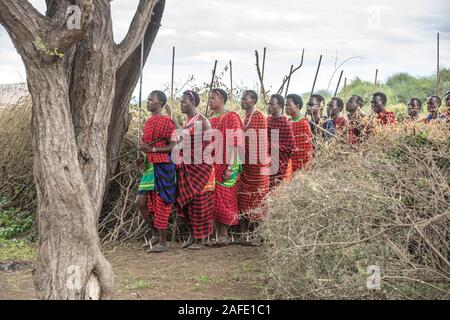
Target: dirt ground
x=228 y=273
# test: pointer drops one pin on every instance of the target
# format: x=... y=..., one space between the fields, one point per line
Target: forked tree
x=81 y=84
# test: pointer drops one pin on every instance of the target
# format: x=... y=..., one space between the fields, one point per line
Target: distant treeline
x=399 y=88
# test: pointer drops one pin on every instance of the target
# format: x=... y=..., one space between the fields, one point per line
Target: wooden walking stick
x=317 y=73
x=140 y=99
x=288 y=81
x=287 y=84
x=172 y=81
x=173 y=73
x=339 y=83
x=231 y=80
x=314 y=83
x=210 y=88
x=345 y=87
x=376 y=78
x=438 y=70
x=261 y=78
x=262 y=71
x=264 y=63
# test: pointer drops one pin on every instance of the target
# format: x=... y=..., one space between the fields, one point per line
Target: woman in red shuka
x=157 y=190
x=226 y=164
x=254 y=182
x=195 y=174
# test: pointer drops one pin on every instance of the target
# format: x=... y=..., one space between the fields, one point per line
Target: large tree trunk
x=76 y=102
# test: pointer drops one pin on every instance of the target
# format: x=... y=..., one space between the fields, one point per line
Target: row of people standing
x=212 y=194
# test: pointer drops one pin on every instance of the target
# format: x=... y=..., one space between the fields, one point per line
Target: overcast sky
x=393 y=36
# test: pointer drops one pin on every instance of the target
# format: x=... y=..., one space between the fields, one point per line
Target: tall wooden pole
x=264 y=63
x=263 y=69
x=231 y=80
x=173 y=75
x=376 y=78
x=345 y=87
x=438 y=70
x=172 y=81
x=141 y=67
x=317 y=73
x=288 y=81
x=210 y=88
x=339 y=83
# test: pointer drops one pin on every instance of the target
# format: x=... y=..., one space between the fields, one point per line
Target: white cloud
x=393 y=36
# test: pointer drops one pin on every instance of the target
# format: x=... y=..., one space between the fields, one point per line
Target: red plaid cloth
x=386 y=118
x=254 y=183
x=224 y=122
x=155 y=128
x=192 y=177
x=198 y=213
x=225 y=205
x=340 y=123
x=284 y=146
x=303 y=152
x=159 y=209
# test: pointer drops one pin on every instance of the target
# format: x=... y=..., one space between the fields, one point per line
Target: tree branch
x=292 y=71
x=25 y=25
x=142 y=18
x=22 y=20
x=261 y=80
x=63 y=38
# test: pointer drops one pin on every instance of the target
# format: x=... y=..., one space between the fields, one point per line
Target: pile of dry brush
x=386 y=204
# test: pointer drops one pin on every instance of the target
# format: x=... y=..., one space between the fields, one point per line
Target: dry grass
x=385 y=204
x=16 y=160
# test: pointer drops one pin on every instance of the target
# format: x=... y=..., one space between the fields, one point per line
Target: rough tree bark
x=80 y=93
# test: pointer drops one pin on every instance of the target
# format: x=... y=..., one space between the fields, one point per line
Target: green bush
x=14 y=223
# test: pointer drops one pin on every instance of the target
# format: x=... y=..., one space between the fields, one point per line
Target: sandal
x=224 y=242
x=196 y=246
x=153 y=241
x=190 y=241
x=157 y=249
x=211 y=243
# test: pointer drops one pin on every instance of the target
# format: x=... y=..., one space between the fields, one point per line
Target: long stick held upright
x=231 y=80
x=376 y=78
x=339 y=83
x=211 y=87
x=345 y=87
x=172 y=80
x=288 y=81
x=317 y=73
x=264 y=63
x=140 y=98
x=287 y=85
x=263 y=70
x=438 y=70
x=173 y=74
